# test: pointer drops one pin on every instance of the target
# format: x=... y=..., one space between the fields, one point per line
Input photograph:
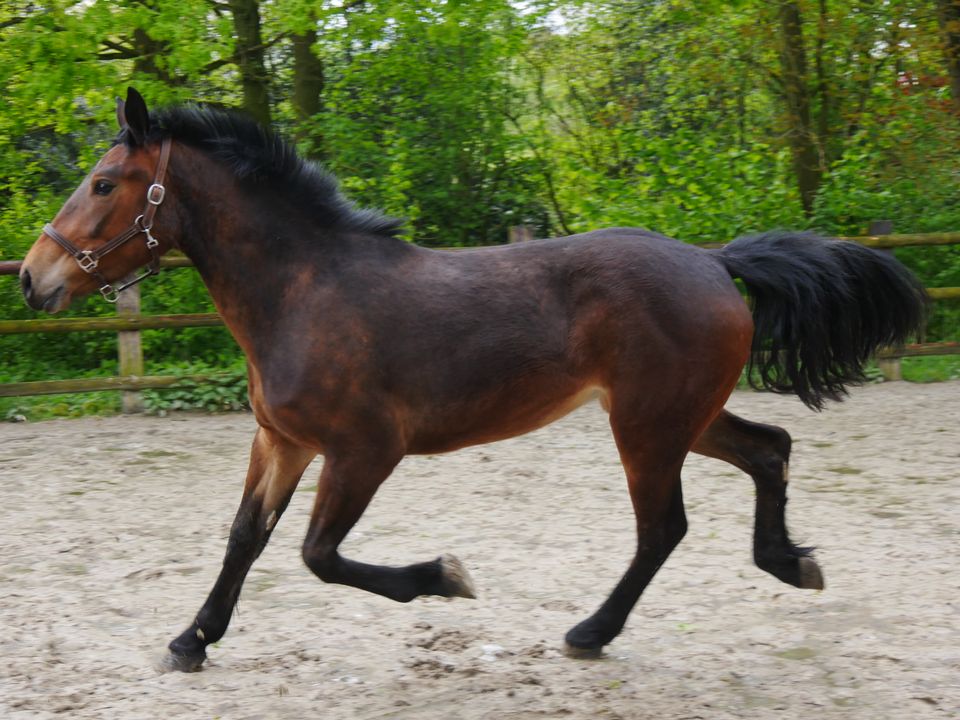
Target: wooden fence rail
x=129 y=322
x=117 y=324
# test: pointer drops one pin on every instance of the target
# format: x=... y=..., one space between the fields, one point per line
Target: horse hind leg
x=763 y=452
x=652 y=462
x=347 y=485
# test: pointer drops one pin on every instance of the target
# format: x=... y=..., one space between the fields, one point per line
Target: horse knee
x=322 y=562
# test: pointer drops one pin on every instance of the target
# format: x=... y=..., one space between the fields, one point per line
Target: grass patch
x=931 y=369
x=47 y=407
x=942 y=368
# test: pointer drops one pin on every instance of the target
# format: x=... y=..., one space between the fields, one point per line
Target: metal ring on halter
x=161 y=192
x=86 y=260
x=152 y=242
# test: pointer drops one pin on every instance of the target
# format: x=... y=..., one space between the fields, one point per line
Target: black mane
x=257 y=155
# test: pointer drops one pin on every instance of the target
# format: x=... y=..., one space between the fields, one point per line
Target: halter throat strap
x=89 y=260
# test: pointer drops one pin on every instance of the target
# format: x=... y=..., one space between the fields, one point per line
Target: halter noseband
x=89 y=260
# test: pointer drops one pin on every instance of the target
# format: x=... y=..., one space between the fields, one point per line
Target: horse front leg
x=275 y=469
x=347 y=485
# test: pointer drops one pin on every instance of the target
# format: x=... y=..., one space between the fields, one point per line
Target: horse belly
x=570 y=404
x=477 y=423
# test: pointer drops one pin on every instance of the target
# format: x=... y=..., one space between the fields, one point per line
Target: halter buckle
x=110 y=293
x=87 y=261
x=156 y=193
x=152 y=242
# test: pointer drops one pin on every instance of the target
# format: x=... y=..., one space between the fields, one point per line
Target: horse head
x=103 y=231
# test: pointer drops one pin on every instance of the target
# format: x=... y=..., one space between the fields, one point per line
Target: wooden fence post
x=519 y=233
x=889 y=367
x=130 y=348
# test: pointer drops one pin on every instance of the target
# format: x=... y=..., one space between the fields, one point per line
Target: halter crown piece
x=89 y=260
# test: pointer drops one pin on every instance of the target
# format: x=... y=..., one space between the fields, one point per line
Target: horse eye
x=103 y=187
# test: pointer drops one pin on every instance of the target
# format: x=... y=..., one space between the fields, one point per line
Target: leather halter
x=89 y=260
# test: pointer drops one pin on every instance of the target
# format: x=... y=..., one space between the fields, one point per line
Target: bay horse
x=364 y=348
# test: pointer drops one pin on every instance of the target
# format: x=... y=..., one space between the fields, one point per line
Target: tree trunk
x=825 y=108
x=308 y=82
x=253 y=72
x=948 y=12
x=803 y=141
x=148 y=50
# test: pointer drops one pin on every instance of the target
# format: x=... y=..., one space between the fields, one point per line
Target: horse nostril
x=25 y=282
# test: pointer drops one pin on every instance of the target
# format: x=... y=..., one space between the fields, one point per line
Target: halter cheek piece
x=89 y=260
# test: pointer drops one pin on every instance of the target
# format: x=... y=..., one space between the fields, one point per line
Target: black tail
x=821 y=308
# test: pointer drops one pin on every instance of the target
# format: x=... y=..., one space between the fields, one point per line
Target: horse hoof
x=456 y=579
x=173 y=662
x=810 y=576
x=579 y=653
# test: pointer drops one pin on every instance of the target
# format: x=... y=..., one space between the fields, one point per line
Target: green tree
x=701 y=120
x=414 y=118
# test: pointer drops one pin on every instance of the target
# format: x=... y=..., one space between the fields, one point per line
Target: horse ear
x=121 y=114
x=132 y=116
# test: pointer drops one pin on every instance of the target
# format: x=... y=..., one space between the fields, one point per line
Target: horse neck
x=252 y=254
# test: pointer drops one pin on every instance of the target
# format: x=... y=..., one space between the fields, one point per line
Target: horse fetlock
x=456 y=580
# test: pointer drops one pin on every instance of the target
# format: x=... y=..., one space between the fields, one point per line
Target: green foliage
x=931 y=369
x=467 y=118
x=913 y=369
x=415 y=119
x=47 y=407
x=225 y=390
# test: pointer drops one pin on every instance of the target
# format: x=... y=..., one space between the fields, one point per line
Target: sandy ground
x=112 y=531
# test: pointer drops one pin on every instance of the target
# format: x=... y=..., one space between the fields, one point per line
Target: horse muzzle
x=50 y=300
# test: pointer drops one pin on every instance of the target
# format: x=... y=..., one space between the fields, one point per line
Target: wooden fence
x=129 y=322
